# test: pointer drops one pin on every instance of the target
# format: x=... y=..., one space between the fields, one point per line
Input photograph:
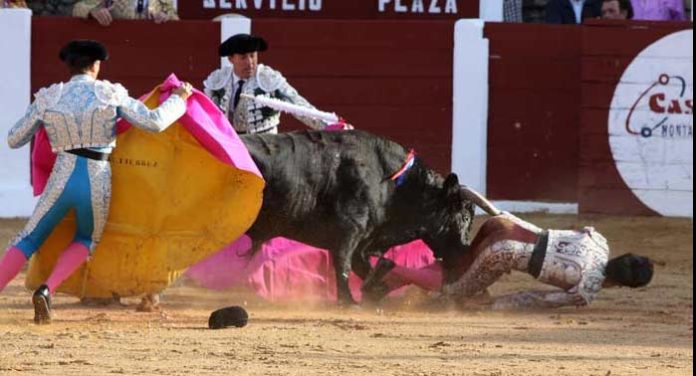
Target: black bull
x=332 y=190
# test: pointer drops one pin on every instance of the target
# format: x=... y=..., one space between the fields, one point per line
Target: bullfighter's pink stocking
x=428 y=277
x=68 y=262
x=10 y=265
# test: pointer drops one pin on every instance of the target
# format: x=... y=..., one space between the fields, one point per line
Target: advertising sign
x=332 y=9
x=651 y=128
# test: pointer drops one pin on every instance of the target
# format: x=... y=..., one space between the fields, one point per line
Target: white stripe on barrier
x=533 y=207
x=470 y=104
x=491 y=10
x=16 y=198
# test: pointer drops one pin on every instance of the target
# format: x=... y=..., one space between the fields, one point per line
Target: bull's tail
x=479 y=200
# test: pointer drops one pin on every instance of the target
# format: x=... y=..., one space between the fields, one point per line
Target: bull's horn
x=479 y=200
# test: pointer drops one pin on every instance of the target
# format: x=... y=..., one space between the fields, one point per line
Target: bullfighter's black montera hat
x=242 y=44
x=83 y=51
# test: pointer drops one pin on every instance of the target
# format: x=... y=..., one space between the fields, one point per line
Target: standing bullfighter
x=246 y=76
x=79 y=117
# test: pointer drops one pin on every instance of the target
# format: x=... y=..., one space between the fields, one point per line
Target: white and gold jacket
x=575 y=261
x=82 y=113
x=249 y=117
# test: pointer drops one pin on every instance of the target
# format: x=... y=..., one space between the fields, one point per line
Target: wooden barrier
x=390 y=78
x=533 y=112
x=549 y=98
x=142 y=53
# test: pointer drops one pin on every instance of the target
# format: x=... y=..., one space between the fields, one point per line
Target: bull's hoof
x=375 y=293
x=347 y=303
x=377 y=274
x=149 y=303
x=374 y=289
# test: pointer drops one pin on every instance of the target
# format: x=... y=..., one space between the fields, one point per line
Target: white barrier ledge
x=16 y=199
x=534 y=207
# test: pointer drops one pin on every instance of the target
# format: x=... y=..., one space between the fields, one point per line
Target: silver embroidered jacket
x=575 y=261
x=249 y=117
x=82 y=113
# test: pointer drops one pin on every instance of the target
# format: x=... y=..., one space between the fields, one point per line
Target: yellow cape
x=172 y=205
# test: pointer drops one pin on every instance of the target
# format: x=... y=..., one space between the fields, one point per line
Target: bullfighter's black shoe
x=42 y=305
x=373 y=288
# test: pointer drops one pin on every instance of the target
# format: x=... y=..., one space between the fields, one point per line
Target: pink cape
x=203 y=119
x=284 y=270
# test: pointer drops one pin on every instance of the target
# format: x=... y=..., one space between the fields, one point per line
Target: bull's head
x=448 y=230
x=450 y=237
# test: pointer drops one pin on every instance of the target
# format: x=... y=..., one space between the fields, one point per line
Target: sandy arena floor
x=647 y=331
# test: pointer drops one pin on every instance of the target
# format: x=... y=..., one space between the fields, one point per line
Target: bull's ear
x=451 y=186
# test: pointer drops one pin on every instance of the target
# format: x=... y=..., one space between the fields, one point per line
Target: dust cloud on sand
x=647 y=331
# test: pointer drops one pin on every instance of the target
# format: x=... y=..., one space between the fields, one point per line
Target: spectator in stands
x=572 y=11
x=659 y=10
x=13 y=4
x=512 y=11
x=62 y=8
x=105 y=11
x=617 y=10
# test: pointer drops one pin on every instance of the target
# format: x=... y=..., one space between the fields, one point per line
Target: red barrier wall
x=390 y=78
x=533 y=112
x=550 y=88
x=608 y=49
x=142 y=53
